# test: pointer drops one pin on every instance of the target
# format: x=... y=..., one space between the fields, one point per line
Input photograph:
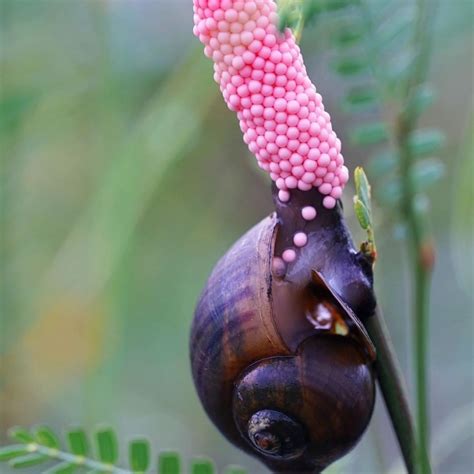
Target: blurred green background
x=124 y=178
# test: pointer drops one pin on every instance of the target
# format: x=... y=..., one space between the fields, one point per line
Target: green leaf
x=395 y=29
x=44 y=436
x=334 y=5
x=63 y=468
x=107 y=445
x=347 y=35
x=360 y=98
x=425 y=142
x=28 y=460
x=21 y=434
x=427 y=172
x=383 y=163
x=369 y=134
x=10 y=452
x=139 y=455
x=202 y=466
x=362 y=186
x=286 y=19
x=235 y=470
x=422 y=98
x=362 y=213
x=77 y=441
x=350 y=66
x=169 y=463
x=310 y=10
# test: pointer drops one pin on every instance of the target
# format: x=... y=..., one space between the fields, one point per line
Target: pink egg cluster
x=262 y=77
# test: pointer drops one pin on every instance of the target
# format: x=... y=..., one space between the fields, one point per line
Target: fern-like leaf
x=139 y=455
x=374 y=52
x=202 y=466
x=41 y=445
x=169 y=463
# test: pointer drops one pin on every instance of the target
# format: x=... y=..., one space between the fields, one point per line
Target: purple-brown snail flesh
x=280 y=357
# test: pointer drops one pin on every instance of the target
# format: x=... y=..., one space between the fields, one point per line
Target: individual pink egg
x=308 y=213
x=279 y=266
x=300 y=239
x=291 y=182
x=289 y=255
x=304 y=186
x=329 y=202
x=283 y=196
x=325 y=188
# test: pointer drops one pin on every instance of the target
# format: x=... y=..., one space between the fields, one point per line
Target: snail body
x=281 y=363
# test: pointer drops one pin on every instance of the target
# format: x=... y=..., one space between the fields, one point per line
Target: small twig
x=393 y=389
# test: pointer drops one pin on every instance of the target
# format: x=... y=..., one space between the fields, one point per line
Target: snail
x=279 y=353
x=280 y=357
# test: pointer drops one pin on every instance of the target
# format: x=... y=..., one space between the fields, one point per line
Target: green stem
x=393 y=389
x=421 y=259
x=423 y=284
x=421 y=250
x=421 y=262
x=78 y=461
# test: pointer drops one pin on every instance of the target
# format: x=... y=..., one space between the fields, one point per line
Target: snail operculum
x=327 y=311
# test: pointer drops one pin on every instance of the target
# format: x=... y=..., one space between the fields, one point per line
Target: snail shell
x=275 y=384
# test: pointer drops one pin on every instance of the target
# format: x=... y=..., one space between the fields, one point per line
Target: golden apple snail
x=280 y=357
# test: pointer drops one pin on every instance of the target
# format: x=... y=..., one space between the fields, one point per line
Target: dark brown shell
x=327 y=388
x=253 y=349
x=233 y=324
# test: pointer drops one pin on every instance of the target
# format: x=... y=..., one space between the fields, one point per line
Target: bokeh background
x=124 y=178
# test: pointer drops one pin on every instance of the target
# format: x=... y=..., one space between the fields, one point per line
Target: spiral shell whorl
x=326 y=392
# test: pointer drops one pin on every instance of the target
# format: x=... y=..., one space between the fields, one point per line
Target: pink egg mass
x=263 y=78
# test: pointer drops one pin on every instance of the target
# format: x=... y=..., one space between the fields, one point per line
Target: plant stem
x=423 y=284
x=421 y=258
x=393 y=389
x=421 y=248
x=78 y=461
